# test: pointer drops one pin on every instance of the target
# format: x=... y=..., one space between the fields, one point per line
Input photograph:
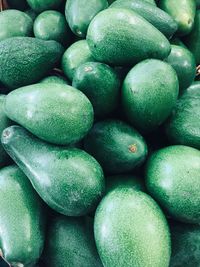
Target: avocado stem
x=198 y=70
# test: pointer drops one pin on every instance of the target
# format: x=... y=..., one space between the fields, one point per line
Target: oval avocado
x=41 y=5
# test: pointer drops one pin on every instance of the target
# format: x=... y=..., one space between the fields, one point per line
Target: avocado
x=156 y=16
x=22 y=219
x=173 y=180
x=120 y=37
x=148 y=1
x=55 y=79
x=69 y=180
x=26 y=60
x=101 y=84
x=71 y=243
x=79 y=14
x=56 y=113
x=131 y=230
x=183 y=126
x=149 y=93
x=116 y=146
x=41 y=5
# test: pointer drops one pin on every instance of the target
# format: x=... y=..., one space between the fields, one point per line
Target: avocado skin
x=71 y=244
x=56 y=113
x=116 y=146
x=22 y=212
x=101 y=84
x=26 y=60
x=131 y=230
x=68 y=179
x=115 y=35
x=148 y=1
x=149 y=93
x=42 y=5
x=183 y=126
x=156 y=16
x=55 y=79
x=173 y=180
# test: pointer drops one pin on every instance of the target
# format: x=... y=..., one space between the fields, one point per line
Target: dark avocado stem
x=133 y=148
x=198 y=70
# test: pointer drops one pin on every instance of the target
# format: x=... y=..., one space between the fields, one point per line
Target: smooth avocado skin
x=101 y=84
x=79 y=14
x=183 y=126
x=56 y=113
x=183 y=11
x=75 y=55
x=42 y=5
x=131 y=230
x=55 y=79
x=115 y=35
x=69 y=180
x=22 y=219
x=156 y=16
x=71 y=244
x=149 y=93
x=116 y=146
x=173 y=180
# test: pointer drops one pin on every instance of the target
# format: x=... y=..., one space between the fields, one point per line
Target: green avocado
x=131 y=230
x=56 y=113
x=71 y=243
x=183 y=126
x=148 y=1
x=120 y=36
x=41 y=5
x=26 y=60
x=149 y=93
x=173 y=180
x=101 y=84
x=22 y=219
x=116 y=146
x=69 y=180
x=55 y=79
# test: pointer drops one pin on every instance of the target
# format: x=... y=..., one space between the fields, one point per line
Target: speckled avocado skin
x=131 y=230
x=116 y=146
x=149 y=93
x=41 y=5
x=115 y=36
x=71 y=243
x=173 y=180
x=183 y=126
x=68 y=179
x=56 y=113
x=22 y=219
x=26 y=60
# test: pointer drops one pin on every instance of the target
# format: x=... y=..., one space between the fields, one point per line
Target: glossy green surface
x=156 y=16
x=56 y=113
x=22 y=219
x=183 y=11
x=149 y=93
x=131 y=230
x=55 y=79
x=68 y=179
x=79 y=14
x=183 y=127
x=41 y=5
x=77 y=54
x=71 y=243
x=115 y=36
x=173 y=179
x=117 y=146
x=101 y=84
x=26 y=60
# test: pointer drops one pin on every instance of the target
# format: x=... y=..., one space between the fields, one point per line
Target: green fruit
x=183 y=127
x=55 y=79
x=148 y=1
x=77 y=54
x=183 y=11
x=68 y=179
x=17 y=4
x=101 y=84
x=71 y=243
x=173 y=179
x=41 y=5
x=122 y=37
x=15 y=23
x=116 y=146
x=79 y=14
x=149 y=93
x=156 y=16
x=54 y=112
x=26 y=60
x=52 y=25
x=131 y=230
x=22 y=219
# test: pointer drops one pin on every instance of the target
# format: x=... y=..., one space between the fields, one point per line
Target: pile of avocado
x=100 y=133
